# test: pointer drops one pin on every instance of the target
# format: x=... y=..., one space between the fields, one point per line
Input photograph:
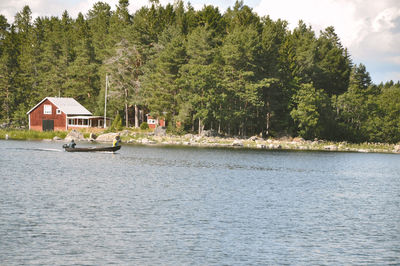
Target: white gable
x=67 y=105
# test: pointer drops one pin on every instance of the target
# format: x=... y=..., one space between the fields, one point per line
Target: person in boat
x=116 y=141
x=72 y=144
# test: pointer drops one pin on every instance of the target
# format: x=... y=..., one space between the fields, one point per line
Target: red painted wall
x=37 y=116
x=159 y=122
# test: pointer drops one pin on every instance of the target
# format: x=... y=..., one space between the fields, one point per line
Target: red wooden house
x=154 y=122
x=53 y=113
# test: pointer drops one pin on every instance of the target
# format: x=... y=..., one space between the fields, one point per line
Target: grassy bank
x=30 y=134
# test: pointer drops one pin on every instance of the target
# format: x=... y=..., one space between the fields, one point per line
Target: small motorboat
x=91 y=149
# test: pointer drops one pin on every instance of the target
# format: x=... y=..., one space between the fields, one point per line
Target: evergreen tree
x=240 y=51
x=333 y=64
x=383 y=124
x=98 y=19
x=25 y=80
x=312 y=112
x=210 y=18
x=162 y=73
x=9 y=73
x=4 y=28
x=302 y=55
x=353 y=106
x=360 y=77
x=276 y=95
x=241 y=16
x=82 y=73
x=48 y=51
x=120 y=23
x=199 y=80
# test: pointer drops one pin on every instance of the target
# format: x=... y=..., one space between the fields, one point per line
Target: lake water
x=195 y=206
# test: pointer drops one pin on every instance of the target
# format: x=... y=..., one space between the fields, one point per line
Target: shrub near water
x=31 y=134
x=144 y=126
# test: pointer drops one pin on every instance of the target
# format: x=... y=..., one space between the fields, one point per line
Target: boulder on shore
x=125 y=133
x=397 y=148
x=274 y=146
x=160 y=131
x=188 y=136
x=74 y=135
x=209 y=133
x=108 y=137
x=331 y=147
x=147 y=141
x=254 y=138
x=237 y=143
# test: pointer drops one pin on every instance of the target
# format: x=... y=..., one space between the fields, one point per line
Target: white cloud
x=394 y=59
x=385 y=19
x=370 y=29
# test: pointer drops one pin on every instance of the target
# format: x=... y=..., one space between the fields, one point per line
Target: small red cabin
x=54 y=113
x=154 y=122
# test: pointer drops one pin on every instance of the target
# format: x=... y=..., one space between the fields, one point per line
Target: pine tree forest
x=235 y=73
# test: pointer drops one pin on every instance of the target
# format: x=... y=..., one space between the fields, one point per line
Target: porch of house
x=79 y=122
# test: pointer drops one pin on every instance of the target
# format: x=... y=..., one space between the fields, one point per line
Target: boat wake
x=38 y=149
x=58 y=150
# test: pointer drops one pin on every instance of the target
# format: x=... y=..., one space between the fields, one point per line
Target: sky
x=370 y=29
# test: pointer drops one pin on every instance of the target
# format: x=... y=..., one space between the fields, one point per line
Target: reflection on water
x=179 y=206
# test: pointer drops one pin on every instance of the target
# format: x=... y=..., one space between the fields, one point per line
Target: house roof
x=67 y=105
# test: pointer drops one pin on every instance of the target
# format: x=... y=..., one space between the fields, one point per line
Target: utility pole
x=105 y=103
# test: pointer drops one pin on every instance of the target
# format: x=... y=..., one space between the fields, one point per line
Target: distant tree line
x=236 y=73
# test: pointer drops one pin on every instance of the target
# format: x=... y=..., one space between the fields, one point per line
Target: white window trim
x=47 y=109
x=77 y=125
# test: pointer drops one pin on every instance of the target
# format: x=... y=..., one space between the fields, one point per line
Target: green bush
x=175 y=130
x=117 y=123
x=144 y=126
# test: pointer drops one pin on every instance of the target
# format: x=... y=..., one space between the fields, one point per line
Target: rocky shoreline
x=254 y=142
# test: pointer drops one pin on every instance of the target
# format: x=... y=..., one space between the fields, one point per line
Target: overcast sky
x=370 y=29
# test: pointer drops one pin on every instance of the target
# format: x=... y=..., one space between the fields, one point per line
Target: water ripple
x=150 y=206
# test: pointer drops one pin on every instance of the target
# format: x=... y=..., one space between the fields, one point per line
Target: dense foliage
x=237 y=73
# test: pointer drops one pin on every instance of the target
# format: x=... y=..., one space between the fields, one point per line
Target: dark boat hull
x=93 y=149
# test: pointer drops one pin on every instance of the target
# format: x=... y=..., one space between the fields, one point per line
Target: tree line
x=233 y=72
